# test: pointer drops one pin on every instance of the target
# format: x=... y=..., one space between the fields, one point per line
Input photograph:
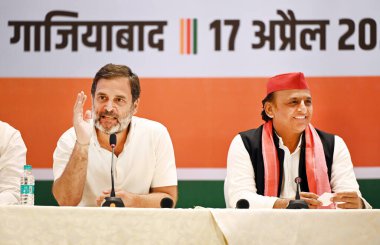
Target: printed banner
x=203 y=67
x=197 y=39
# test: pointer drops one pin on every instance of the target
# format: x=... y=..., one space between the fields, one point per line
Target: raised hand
x=82 y=123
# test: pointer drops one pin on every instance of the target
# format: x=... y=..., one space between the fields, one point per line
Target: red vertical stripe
x=188 y=37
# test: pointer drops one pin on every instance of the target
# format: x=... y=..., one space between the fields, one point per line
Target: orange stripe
x=201 y=114
x=181 y=36
x=188 y=36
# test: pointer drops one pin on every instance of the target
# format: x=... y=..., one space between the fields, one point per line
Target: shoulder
x=70 y=133
x=7 y=130
x=68 y=138
x=9 y=135
x=10 y=138
x=143 y=124
x=252 y=132
x=324 y=134
x=252 y=138
x=334 y=142
x=340 y=144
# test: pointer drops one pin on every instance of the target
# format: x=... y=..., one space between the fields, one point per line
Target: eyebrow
x=116 y=96
x=120 y=97
x=307 y=97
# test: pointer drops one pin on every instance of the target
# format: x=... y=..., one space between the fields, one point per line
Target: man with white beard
x=144 y=165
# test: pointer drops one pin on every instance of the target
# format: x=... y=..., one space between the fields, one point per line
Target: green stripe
x=195 y=36
x=205 y=193
x=191 y=194
x=200 y=193
x=43 y=195
x=370 y=189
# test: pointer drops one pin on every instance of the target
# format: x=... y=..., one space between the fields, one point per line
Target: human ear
x=268 y=108
x=136 y=106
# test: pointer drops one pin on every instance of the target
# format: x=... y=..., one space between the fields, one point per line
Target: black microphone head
x=298 y=180
x=242 y=204
x=166 y=202
x=112 y=140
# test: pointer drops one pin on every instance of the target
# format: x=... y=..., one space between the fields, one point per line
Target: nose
x=109 y=106
x=302 y=107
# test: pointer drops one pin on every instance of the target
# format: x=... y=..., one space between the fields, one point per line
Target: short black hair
x=110 y=71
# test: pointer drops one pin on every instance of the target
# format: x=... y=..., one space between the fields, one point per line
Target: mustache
x=108 y=114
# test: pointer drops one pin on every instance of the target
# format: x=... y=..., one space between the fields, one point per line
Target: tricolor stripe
x=188 y=36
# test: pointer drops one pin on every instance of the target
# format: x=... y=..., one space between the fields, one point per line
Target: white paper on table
x=325 y=198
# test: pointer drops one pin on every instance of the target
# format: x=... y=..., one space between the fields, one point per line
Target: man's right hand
x=82 y=123
x=311 y=199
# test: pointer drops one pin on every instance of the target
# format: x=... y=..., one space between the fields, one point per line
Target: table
x=85 y=225
x=299 y=226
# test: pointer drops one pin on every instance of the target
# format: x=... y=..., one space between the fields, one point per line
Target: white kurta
x=12 y=161
x=147 y=161
x=240 y=180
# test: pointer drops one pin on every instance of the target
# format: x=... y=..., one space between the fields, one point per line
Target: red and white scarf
x=316 y=169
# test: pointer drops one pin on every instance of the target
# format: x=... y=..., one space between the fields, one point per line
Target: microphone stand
x=112 y=200
x=298 y=203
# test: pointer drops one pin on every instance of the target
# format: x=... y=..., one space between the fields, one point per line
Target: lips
x=106 y=115
x=107 y=119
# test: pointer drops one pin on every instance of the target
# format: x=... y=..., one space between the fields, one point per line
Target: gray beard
x=121 y=126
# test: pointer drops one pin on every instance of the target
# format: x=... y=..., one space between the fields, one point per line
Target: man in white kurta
x=147 y=160
x=144 y=165
x=12 y=161
x=263 y=163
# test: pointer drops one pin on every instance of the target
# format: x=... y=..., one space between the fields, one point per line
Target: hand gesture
x=82 y=125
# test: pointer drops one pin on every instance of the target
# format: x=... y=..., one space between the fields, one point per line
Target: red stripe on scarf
x=316 y=169
x=271 y=163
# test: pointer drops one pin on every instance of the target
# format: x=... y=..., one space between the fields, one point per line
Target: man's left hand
x=350 y=200
x=127 y=197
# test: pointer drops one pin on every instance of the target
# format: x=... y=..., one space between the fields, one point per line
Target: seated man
x=144 y=171
x=12 y=161
x=263 y=163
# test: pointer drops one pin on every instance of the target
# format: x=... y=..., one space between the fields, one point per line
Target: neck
x=104 y=138
x=290 y=140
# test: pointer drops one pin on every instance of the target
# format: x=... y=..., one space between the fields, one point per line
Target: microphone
x=113 y=140
x=298 y=181
x=112 y=144
x=297 y=203
x=166 y=202
x=112 y=200
x=242 y=204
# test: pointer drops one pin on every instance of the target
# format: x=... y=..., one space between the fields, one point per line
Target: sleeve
x=165 y=171
x=240 y=180
x=12 y=161
x=342 y=172
x=62 y=152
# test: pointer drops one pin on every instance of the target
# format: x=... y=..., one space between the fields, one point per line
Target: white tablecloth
x=79 y=225
x=359 y=227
